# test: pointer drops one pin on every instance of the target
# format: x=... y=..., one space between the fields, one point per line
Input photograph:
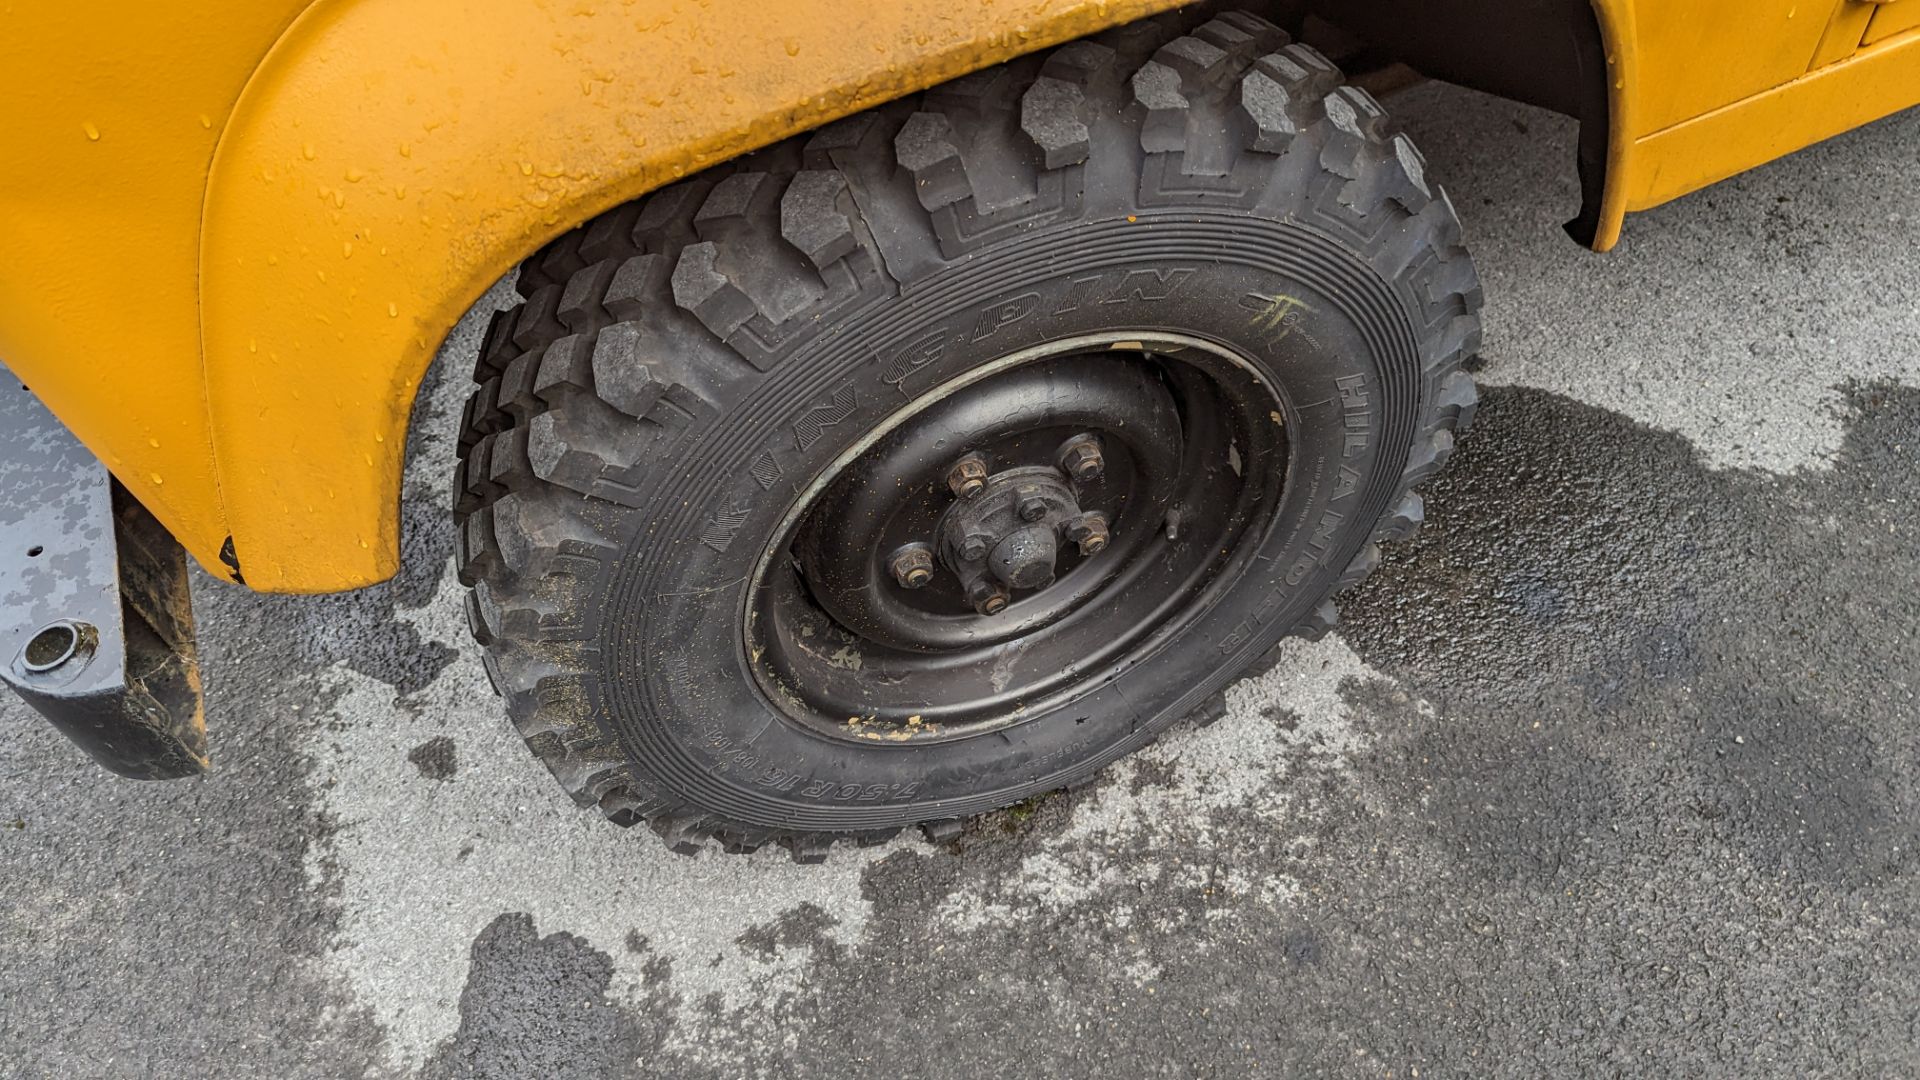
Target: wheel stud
x=1033 y=508
x=974 y=548
x=987 y=597
x=968 y=476
x=1089 y=530
x=1081 y=458
x=912 y=566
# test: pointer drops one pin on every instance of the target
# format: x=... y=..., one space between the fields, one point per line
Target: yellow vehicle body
x=235 y=233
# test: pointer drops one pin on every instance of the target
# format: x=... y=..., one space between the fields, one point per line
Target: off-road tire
x=682 y=363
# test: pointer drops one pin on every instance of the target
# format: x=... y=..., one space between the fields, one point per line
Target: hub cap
x=1004 y=540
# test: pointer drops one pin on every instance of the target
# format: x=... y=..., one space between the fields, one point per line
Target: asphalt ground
x=1611 y=771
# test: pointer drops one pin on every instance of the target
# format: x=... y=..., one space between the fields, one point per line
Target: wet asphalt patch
x=437 y=758
x=172 y=929
x=1683 y=648
x=1621 y=784
x=538 y=1006
x=1637 y=800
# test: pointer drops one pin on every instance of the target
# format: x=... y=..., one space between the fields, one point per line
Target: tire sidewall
x=1323 y=328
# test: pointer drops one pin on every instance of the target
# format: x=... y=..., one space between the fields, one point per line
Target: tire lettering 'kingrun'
x=815 y=421
x=1067 y=295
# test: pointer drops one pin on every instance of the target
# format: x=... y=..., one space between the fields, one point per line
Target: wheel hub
x=1007 y=535
x=999 y=509
x=1011 y=535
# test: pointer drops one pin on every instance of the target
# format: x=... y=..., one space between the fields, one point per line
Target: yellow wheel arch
x=380 y=171
x=386 y=160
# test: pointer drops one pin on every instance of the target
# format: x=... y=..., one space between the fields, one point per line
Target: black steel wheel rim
x=1117 y=483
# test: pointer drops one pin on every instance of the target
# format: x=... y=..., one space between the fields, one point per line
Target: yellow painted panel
x=1895 y=18
x=107 y=123
x=1619 y=36
x=1878 y=80
x=1699 y=55
x=389 y=160
x=1844 y=31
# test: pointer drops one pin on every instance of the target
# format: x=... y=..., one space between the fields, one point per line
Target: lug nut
x=912 y=566
x=1081 y=458
x=974 y=548
x=1089 y=530
x=968 y=476
x=987 y=597
x=1033 y=508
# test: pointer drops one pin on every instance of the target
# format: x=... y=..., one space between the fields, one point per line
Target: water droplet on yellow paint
x=307 y=151
x=273 y=260
x=526 y=168
x=377 y=437
x=155 y=477
x=322 y=274
x=253 y=346
x=155 y=443
x=393 y=311
x=406 y=150
x=206 y=121
x=399 y=191
x=93 y=133
x=339 y=199
x=354 y=176
x=793 y=46
x=346 y=249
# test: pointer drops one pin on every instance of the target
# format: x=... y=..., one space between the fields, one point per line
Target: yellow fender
x=373 y=181
x=348 y=176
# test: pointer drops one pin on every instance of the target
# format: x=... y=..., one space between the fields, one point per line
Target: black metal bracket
x=96 y=623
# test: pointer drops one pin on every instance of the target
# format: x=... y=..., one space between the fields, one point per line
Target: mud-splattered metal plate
x=95 y=627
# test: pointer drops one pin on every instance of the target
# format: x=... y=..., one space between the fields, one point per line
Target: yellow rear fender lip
x=377 y=176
